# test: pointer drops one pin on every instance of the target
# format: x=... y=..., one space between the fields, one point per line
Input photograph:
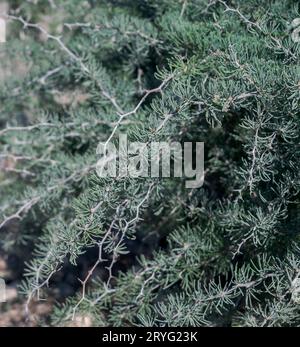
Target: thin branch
x=65 y=49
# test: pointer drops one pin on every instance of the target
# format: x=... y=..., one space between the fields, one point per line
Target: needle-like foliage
x=225 y=73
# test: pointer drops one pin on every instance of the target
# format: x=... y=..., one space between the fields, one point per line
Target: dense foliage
x=148 y=251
